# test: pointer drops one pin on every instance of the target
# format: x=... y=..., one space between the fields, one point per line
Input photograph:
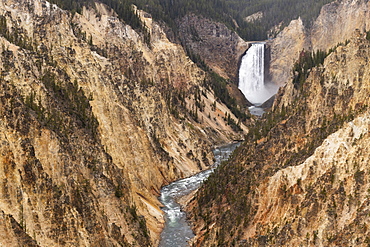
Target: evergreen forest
x=276 y=13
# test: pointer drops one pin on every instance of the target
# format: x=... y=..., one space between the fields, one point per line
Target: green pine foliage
x=123 y=8
x=72 y=5
x=69 y=100
x=306 y=61
x=219 y=86
x=275 y=12
x=233 y=12
x=230 y=12
x=15 y=35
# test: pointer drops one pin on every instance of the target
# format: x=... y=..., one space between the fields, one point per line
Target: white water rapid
x=252 y=76
x=177 y=231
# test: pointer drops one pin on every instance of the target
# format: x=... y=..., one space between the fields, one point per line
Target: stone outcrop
x=337 y=21
x=219 y=47
x=301 y=177
x=93 y=122
x=285 y=49
x=335 y=24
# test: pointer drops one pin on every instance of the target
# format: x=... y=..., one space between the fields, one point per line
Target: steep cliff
x=285 y=49
x=302 y=175
x=335 y=24
x=337 y=21
x=94 y=120
x=214 y=46
x=213 y=42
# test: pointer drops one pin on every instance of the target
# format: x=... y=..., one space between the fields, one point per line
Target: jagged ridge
x=93 y=122
x=293 y=182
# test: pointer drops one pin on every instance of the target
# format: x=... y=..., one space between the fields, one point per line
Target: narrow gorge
x=301 y=178
x=177 y=231
x=114 y=116
x=94 y=121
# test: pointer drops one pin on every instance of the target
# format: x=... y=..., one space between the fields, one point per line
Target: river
x=177 y=231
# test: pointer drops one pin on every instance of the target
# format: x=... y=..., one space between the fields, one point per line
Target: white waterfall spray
x=251 y=75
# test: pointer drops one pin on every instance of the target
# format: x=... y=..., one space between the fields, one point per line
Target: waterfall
x=252 y=75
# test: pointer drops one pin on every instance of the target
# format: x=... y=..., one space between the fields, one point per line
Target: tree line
x=230 y=12
x=123 y=8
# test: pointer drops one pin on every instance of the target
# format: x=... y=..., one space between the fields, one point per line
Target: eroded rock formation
x=302 y=176
x=94 y=120
x=214 y=43
x=336 y=23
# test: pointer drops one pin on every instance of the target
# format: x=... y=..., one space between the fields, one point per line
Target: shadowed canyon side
x=94 y=120
x=214 y=47
x=302 y=176
x=213 y=42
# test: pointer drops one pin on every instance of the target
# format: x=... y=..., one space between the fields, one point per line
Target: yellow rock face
x=88 y=135
x=305 y=180
x=336 y=23
x=285 y=49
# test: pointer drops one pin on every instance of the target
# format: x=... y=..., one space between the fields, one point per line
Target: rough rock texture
x=12 y=234
x=214 y=43
x=285 y=49
x=336 y=23
x=302 y=177
x=321 y=202
x=254 y=17
x=93 y=123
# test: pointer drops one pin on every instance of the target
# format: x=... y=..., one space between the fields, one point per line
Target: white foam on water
x=252 y=75
x=177 y=231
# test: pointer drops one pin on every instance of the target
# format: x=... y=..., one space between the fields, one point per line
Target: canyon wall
x=214 y=45
x=285 y=49
x=94 y=120
x=336 y=23
x=302 y=175
x=219 y=47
